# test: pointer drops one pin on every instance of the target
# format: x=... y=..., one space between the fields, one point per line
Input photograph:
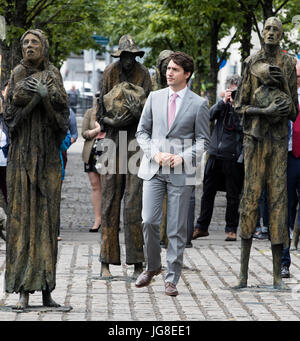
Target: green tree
x=69 y=25
x=190 y=26
x=195 y=27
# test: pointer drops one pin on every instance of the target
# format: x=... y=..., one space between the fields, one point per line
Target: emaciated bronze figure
x=266 y=99
x=131 y=78
x=37 y=115
x=159 y=81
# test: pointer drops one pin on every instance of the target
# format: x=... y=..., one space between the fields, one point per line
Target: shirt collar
x=180 y=93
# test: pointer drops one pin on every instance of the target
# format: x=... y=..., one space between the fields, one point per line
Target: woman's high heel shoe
x=95 y=230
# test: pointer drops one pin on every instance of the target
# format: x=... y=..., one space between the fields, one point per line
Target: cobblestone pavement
x=210 y=268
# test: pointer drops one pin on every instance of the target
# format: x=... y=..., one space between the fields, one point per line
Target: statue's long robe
x=118 y=186
x=266 y=143
x=33 y=181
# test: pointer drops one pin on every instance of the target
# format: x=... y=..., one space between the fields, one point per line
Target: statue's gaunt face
x=163 y=68
x=272 y=32
x=127 y=60
x=32 y=49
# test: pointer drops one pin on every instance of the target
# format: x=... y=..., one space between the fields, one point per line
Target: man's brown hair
x=184 y=60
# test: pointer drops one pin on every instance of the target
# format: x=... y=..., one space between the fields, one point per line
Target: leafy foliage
x=193 y=26
x=69 y=25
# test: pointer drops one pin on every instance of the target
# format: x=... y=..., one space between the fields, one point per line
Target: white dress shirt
x=179 y=98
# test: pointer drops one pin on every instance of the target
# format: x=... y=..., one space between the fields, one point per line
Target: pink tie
x=172 y=109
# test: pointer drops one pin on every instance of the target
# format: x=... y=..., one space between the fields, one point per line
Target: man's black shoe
x=163 y=245
x=199 y=233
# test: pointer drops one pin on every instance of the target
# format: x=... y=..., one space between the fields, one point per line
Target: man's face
x=32 y=49
x=272 y=32
x=298 y=74
x=233 y=89
x=127 y=60
x=176 y=77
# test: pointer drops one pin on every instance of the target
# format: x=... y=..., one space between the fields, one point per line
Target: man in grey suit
x=172 y=131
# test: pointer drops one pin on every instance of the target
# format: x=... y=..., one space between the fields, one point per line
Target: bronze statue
x=37 y=115
x=125 y=86
x=266 y=99
x=159 y=81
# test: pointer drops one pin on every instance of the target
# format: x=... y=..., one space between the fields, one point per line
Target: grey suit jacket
x=188 y=135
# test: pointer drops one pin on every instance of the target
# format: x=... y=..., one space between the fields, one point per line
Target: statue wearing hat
x=124 y=88
x=266 y=99
x=159 y=80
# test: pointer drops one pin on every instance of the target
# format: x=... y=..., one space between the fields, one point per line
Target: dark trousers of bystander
x=293 y=191
x=3 y=182
x=232 y=174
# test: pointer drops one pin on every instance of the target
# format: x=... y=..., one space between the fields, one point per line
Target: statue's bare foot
x=48 y=301
x=138 y=269
x=23 y=300
x=240 y=285
x=104 y=272
x=280 y=285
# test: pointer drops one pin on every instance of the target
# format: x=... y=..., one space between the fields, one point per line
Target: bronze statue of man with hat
x=266 y=99
x=159 y=80
x=125 y=85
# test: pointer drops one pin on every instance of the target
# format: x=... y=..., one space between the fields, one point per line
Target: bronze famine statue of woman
x=36 y=113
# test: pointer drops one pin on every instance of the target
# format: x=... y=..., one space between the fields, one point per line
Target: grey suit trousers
x=177 y=213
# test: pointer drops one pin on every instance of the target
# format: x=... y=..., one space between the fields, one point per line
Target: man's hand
x=133 y=106
x=162 y=158
x=167 y=159
x=227 y=96
x=176 y=160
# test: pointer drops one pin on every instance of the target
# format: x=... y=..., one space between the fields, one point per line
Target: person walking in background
x=70 y=138
x=4 y=141
x=73 y=136
x=73 y=95
x=262 y=232
x=223 y=164
x=296 y=231
x=66 y=143
x=171 y=116
x=91 y=132
x=293 y=181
